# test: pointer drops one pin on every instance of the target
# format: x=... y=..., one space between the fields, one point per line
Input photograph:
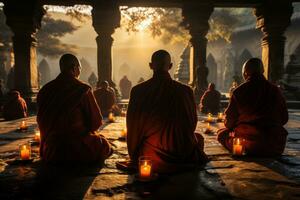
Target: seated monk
x=210 y=100
x=15 y=107
x=105 y=98
x=68 y=117
x=161 y=120
x=256 y=112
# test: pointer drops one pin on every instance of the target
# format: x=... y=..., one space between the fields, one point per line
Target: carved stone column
x=106 y=18
x=24 y=19
x=272 y=19
x=195 y=19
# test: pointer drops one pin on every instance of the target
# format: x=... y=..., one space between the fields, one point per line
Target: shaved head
x=253 y=67
x=161 y=61
x=68 y=62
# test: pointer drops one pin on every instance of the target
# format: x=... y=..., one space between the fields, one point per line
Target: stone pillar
x=272 y=19
x=24 y=19
x=106 y=18
x=195 y=19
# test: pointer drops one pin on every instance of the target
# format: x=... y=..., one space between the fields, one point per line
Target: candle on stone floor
x=25 y=152
x=124 y=133
x=37 y=136
x=220 y=116
x=237 y=147
x=111 y=117
x=145 y=167
x=208 y=127
x=209 y=117
x=23 y=126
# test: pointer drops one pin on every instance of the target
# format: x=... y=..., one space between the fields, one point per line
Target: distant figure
x=232 y=88
x=141 y=80
x=210 y=101
x=256 y=112
x=68 y=116
x=15 y=107
x=125 y=87
x=105 y=98
x=161 y=120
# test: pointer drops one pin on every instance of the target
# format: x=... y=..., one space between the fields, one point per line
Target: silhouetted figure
x=256 y=112
x=68 y=116
x=125 y=87
x=161 y=120
x=210 y=101
x=105 y=98
x=141 y=80
x=15 y=106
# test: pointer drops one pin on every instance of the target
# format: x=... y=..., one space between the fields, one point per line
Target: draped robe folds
x=15 y=108
x=256 y=112
x=105 y=99
x=68 y=117
x=161 y=120
x=210 y=102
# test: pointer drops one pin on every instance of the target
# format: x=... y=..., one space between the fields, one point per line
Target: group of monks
x=161 y=118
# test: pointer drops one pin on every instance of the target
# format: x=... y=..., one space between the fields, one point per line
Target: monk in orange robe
x=256 y=113
x=68 y=117
x=161 y=120
x=15 y=107
x=210 y=100
x=105 y=98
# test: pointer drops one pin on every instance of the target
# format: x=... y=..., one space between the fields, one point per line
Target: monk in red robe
x=161 y=120
x=256 y=113
x=68 y=117
x=210 y=100
x=125 y=87
x=15 y=107
x=105 y=98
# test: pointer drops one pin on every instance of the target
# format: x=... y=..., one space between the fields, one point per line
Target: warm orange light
x=145 y=167
x=23 y=126
x=220 y=116
x=124 y=133
x=209 y=117
x=25 y=152
x=111 y=117
x=237 y=147
x=37 y=136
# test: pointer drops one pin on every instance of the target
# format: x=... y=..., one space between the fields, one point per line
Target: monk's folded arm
x=231 y=114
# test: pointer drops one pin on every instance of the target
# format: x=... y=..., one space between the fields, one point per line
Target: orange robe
x=68 y=117
x=15 y=107
x=105 y=99
x=256 y=112
x=210 y=102
x=161 y=120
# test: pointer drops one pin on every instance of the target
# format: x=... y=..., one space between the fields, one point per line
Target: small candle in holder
x=23 y=126
x=25 y=151
x=237 y=148
x=209 y=117
x=111 y=117
x=124 y=133
x=145 y=167
x=220 y=117
x=37 y=136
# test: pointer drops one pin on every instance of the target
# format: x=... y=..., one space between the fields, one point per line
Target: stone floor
x=224 y=177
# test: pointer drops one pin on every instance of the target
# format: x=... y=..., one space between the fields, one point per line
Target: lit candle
x=145 y=167
x=124 y=133
x=25 y=151
x=23 y=126
x=123 y=112
x=237 y=147
x=208 y=127
x=37 y=136
x=209 y=117
x=111 y=117
x=220 y=116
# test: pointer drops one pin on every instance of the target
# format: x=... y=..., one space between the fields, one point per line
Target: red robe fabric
x=15 y=107
x=161 y=120
x=256 y=112
x=105 y=99
x=210 y=102
x=68 y=116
